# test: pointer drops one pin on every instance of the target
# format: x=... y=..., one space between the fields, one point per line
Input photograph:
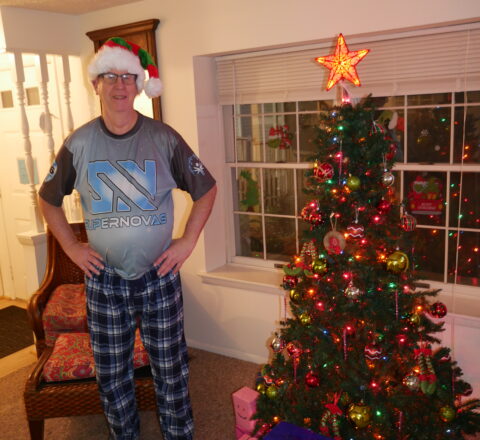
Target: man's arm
x=80 y=253
x=181 y=248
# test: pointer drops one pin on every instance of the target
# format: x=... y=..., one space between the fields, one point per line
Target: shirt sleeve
x=189 y=172
x=60 y=179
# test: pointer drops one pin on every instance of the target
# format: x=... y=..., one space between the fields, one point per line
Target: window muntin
x=427 y=139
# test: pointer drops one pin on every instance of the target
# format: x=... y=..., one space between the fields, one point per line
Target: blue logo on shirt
x=123 y=188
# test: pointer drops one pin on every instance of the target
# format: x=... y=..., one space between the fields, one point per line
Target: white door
x=16 y=208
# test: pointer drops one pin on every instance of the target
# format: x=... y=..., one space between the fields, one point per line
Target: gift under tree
x=358 y=357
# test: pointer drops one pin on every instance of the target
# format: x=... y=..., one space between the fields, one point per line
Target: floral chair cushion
x=72 y=358
x=65 y=312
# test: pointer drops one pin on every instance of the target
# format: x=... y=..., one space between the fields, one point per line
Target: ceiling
x=65 y=6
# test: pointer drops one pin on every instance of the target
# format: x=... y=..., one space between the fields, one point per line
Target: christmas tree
x=359 y=355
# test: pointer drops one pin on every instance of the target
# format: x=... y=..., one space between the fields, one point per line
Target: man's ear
x=95 y=85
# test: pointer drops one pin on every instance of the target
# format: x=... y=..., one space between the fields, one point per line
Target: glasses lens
x=128 y=78
x=111 y=78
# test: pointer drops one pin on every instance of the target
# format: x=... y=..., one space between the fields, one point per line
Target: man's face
x=116 y=97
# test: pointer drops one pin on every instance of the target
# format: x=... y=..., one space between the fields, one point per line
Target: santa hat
x=119 y=54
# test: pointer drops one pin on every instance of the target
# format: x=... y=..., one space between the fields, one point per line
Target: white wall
x=224 y=319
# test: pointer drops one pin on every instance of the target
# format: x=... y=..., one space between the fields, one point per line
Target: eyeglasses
x=111 y=78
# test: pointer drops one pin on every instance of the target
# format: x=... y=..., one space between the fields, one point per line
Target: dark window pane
x=429 y=252
x=280 y=138
x=249 y=139
x=247 y=193
x=428 y=135
x=470 y=197
x=435 y=98
x=389 y=101
x=426 y=196
x=471 y=151
x=468 y=257
x=308 y=124
x=280 y=107
x=279 y=196
x=314 y=106
x=248 y=235
x=281 y=243
x=461 y=97
x=393 y=122
x=248 y=109
x=302 y=197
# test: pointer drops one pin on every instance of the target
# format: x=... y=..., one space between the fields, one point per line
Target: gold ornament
x=305 y=319
x=261 y=388
x=295 y=296
x=353 y=182
x=415 y=318
x=397 y=262
x=360 y=414
x=319 y=266
x=447 y=413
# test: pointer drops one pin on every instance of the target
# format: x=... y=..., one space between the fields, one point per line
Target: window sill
x=460 y=300
x=245 y=277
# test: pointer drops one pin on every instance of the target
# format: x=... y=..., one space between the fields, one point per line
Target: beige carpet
x=213 y=379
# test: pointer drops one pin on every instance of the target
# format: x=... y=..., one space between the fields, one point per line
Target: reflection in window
x=466 y=215
x=467 y=150
x=249 y=235
x=428 y=137
x=467 y=261
x=280 y=237
x=429 y=244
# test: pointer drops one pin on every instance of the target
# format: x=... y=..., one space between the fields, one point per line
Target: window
x=6 y=98
x=33 y=95
x=436 y=142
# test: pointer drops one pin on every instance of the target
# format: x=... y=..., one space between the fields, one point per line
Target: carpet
x=15 y=332
x=213 y=379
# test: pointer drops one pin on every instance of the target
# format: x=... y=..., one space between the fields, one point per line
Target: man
x=124 y=166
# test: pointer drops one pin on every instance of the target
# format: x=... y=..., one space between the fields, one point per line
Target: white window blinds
x=424 y=61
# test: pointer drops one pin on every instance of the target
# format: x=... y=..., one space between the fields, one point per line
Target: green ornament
x=353 y=182
x=447 y=413
x=272 y=392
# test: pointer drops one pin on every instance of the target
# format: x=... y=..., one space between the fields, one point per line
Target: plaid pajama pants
x=113 y=307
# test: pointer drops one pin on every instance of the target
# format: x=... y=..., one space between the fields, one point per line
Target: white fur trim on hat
x=153 y=87
x=116 y=58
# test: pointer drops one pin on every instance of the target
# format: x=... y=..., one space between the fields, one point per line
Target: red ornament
x=311 y=213
x=384 y=206
x=294 y=350
x=312 y=379
x=289 y=281
x=323 y=171
x=342 y=63
x=373 y=352
x=356 y=231
x=408 y=222
x=392 y=150
x=438 y=310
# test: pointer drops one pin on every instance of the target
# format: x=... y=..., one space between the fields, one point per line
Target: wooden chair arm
x=36 y=376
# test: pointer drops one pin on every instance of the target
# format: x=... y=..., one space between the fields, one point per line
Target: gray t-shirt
x=125 y=184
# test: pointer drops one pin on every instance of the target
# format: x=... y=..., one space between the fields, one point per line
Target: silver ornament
x=352 y=292
x=277 y=345
x=412 y=382
x=388 y=179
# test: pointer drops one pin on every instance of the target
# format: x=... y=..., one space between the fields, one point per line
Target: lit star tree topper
x=342 y=63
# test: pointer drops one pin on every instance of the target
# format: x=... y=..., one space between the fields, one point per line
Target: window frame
x=400 y=167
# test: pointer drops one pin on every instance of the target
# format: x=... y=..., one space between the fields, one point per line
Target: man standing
x=124 y=166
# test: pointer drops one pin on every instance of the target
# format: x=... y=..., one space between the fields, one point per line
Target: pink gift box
x=244 y=405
